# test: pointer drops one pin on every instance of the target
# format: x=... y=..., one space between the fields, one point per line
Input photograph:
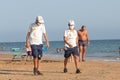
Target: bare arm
x=27 y=38
x=46 y=38
x=77 y=41
x=79 y=37
x=87 y=38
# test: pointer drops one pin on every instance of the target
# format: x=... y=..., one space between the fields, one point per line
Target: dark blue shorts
x=37 y=51
x=69 y=51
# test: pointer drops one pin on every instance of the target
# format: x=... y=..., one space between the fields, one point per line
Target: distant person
x=34 y=36
x=71 y=42
x=29 y=53
x=83 y=42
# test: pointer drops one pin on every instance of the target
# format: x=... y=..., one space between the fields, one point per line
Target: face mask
x=71 y=27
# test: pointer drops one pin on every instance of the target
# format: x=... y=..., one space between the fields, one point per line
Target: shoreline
x=61 y=56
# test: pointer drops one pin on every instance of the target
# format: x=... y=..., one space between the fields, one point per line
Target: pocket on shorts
x=67 y=54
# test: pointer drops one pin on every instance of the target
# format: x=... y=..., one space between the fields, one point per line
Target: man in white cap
x=34 y=37
x=71 y=43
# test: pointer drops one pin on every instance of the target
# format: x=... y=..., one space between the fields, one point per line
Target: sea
x=102 y=50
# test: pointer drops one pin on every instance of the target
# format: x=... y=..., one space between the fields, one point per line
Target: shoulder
x=75 y=31
x=43 y=25
x=79 y=30
x=67 y=30
x=32 y=24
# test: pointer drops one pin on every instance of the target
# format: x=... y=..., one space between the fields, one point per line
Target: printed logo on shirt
x=71 y=34
x=34 y=28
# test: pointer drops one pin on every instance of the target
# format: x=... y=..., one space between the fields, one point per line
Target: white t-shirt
x=71 y=37
x=36 y=33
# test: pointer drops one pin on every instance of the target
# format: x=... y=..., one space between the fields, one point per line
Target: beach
x=52 y=69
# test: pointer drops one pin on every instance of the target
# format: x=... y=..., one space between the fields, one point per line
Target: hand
x=70 y=46
x=47 y=44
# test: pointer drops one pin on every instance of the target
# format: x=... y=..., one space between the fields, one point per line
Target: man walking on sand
x=83 y=42
x=34 y=36
x=71 y=43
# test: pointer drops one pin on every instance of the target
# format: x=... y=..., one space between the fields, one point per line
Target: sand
x=52 y=69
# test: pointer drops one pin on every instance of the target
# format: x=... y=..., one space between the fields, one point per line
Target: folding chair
x=17 y=54
x=58 y=50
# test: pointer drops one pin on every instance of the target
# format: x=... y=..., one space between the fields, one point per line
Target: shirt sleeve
x=76 y=33
x=29 y=29
x=65 y=34
x=43 y=29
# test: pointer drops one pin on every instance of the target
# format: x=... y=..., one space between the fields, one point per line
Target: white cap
x=71 y=22
x=40 y=19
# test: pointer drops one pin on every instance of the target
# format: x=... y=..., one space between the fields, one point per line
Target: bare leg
x=65 y=62
x=84 y=53
x=35 y=66
x=38 y=64
x=35 y=62
x=76 y=61
x=80 y=53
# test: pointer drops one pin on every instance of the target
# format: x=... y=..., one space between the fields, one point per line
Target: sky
x=101 y=17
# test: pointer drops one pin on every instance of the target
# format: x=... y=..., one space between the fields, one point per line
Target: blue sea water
x=105 y=50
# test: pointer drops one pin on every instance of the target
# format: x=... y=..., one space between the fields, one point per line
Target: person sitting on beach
x=34 y=36
x=29 y=51
x=71 y=42
x=83 y=42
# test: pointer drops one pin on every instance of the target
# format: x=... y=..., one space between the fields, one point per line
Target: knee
x=75 y=57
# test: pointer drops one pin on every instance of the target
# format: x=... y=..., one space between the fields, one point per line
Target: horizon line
x=59 y=40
